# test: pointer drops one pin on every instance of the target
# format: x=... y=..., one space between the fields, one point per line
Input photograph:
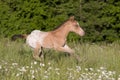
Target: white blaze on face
x=36 y=37
x=77 y=23
x=81 y=30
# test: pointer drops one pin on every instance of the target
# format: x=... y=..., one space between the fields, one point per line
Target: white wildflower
x=36 y=70
x=106 y=76
x=71 y=77
x=91 y=69
x=113 y=79
x=35 y=62
x=0 y=67
x=6 y=69
x=46 y=76
x=32 y=71
x=86 y=69
x=119 y=78
x=98 y=70
x=104 y=72
x=14 y=64
x=100 y=77
x=78 y=68
x=49 y=63
x=45 y=72
x=31 y=63
x=17 y=74
x=69 y=69
x=57 y=69
x=5 y=62
x=22 y=69
x=110 y=73
x=49 y=68
x=102 y=68
x=33 y=76
x=27 y=66
x=57 y=73
x=42 y=65
x=31 y=67
x=113 y=72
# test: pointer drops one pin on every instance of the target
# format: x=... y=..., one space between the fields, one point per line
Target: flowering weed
x=99 y=62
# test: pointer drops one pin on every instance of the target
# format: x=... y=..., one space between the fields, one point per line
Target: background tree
x=99 y=18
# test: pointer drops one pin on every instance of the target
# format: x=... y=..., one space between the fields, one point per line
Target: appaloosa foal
x=55 y=39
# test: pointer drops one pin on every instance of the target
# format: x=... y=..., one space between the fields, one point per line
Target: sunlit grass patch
x=48 y=71
x=99 y=62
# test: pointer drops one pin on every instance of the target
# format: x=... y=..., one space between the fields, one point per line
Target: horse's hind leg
x=37 y=52
x=41 y=53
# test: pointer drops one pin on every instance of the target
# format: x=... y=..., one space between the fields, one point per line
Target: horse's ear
x=72 y=18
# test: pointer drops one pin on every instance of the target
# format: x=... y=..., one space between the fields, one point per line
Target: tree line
x=99 y=18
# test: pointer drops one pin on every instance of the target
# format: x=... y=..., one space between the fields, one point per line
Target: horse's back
x=36 y=37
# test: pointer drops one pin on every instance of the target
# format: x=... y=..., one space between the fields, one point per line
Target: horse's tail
x=23 y=36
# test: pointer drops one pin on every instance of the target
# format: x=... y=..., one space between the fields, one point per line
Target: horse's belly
x=36 y=37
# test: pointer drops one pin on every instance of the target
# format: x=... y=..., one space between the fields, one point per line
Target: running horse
x=55 y=39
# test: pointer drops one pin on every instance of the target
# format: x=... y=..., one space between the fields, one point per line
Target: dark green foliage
x=99 y=18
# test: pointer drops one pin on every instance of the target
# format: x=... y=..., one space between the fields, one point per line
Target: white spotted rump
x=36 y=37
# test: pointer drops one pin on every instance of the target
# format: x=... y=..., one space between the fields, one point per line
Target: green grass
x=98 y=62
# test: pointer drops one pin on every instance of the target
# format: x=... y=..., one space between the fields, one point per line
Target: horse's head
x=74 y=26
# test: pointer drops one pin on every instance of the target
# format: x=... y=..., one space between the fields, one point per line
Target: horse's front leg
x=69 y=50
x=64 y=49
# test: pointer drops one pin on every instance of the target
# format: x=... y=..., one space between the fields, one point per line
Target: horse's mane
x=60 y=24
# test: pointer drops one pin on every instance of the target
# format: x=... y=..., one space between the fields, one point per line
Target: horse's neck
x=61 y=32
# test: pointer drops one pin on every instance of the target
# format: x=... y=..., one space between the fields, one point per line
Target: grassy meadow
x=99 y=61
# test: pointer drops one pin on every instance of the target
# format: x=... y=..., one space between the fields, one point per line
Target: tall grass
x=98 y=62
